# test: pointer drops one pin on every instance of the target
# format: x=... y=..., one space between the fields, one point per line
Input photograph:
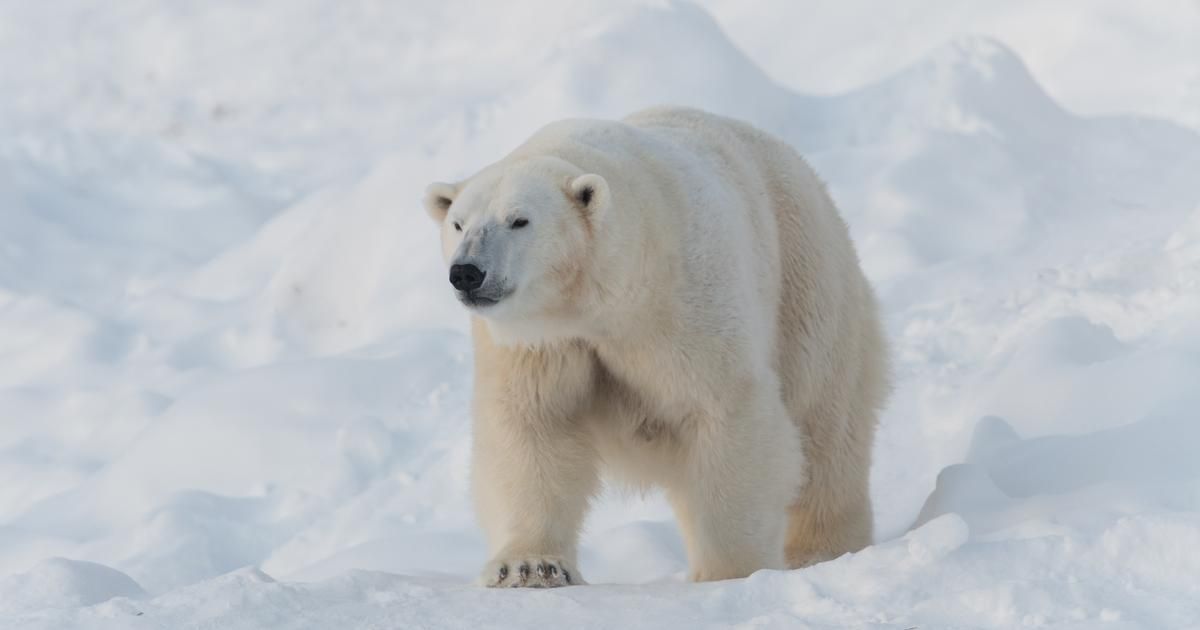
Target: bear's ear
x=438 y=197
x=589 y=192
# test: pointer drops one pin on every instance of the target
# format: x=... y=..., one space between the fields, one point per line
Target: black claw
x=503 y=571
x=567 y=576
x=553 y=569
x=524 y=572
x=542 y=571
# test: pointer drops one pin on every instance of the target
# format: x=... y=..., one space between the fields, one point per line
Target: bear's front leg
x=532 y=484
x=743 y=468
x=534 y=468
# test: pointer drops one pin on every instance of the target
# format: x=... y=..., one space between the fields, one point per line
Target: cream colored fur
x=695 y=319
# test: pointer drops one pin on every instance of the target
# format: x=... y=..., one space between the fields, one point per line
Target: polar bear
x=672 y=299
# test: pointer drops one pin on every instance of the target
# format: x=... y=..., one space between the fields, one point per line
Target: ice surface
x=234 y=389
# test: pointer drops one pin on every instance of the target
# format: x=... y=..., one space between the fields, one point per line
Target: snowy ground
x=233 y=387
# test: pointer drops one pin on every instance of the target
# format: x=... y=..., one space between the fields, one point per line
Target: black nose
x=466 y=277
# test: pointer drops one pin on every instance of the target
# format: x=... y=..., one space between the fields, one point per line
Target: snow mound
x=1007 y=480
x=1098 y=57
x=62 y=583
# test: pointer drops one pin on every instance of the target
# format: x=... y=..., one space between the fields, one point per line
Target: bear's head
x=517 y=238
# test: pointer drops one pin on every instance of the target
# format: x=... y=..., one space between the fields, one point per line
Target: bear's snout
x=466 y=277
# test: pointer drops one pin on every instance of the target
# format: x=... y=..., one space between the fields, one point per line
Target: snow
x=234 y=390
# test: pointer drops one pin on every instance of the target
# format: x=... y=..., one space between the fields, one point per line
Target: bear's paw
x=530 y=571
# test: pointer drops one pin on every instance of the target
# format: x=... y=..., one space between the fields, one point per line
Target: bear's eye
x=457 y=226
x=519 y=223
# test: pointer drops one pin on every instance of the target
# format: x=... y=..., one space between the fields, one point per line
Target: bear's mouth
x=475 y=299
x=478 y=301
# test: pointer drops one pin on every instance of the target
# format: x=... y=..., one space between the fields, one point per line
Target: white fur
x=697 y=320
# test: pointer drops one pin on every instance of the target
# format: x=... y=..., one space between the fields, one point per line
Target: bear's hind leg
x=816 y=534
x=832 y=515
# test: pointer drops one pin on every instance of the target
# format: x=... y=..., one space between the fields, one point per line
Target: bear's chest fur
x=653 y=392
